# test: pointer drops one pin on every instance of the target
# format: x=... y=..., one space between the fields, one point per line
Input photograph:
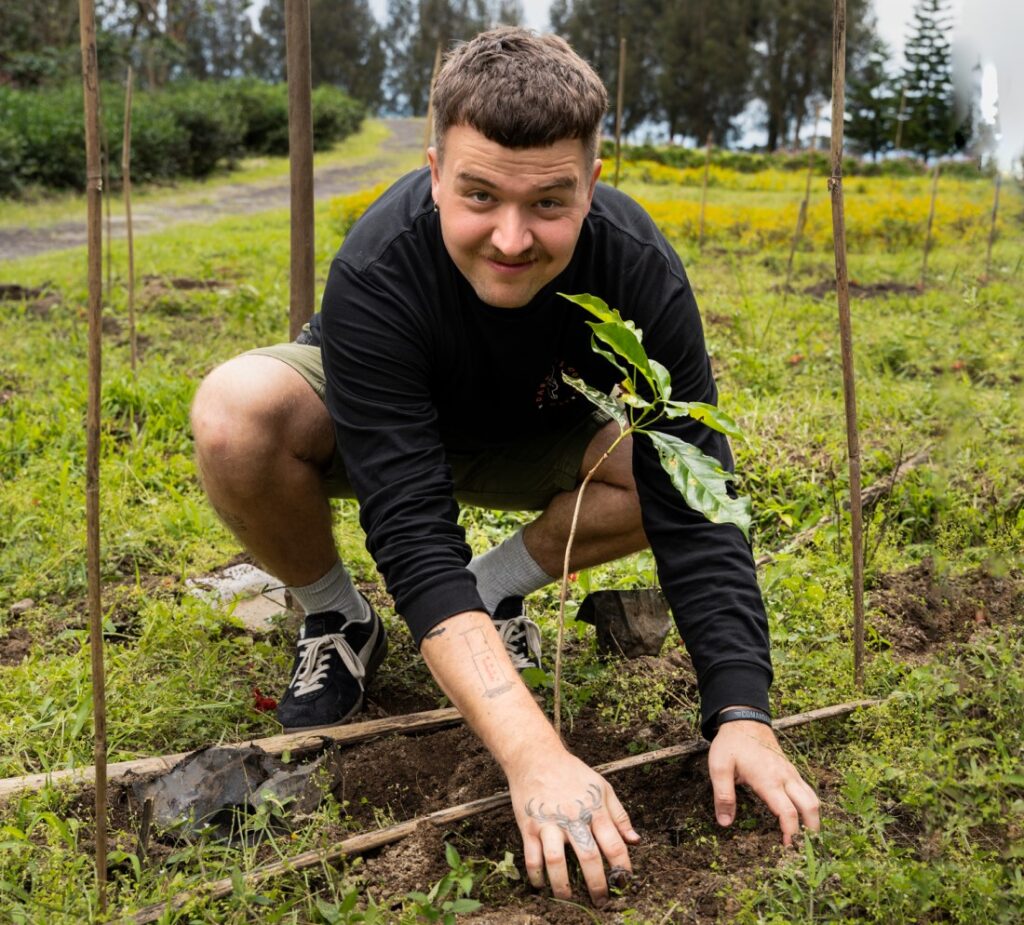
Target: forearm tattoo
x=578 y=829
x=433 y=634
x=486 y=663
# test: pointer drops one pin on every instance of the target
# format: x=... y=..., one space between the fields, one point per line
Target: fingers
x=723 y=784
x=620 y=818
x=778 y=801
x=806 y=802
x=533 y=855
x=553 y=843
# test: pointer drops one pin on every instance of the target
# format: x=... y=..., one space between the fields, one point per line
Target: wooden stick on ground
x=846 y=331
x=295 y=742
x=368 y=841
x=867 y=498
x=621 y=81
x=126 y=180
x=94 y=184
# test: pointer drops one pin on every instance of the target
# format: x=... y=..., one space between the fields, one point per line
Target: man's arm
x=555 y=796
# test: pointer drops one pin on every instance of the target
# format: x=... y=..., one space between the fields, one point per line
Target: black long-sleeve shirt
x=415 y=363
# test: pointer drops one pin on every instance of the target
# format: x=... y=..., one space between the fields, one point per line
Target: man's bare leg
x=263 y=438
x=609 y=525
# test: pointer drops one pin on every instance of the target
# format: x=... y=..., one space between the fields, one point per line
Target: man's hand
x=559 y=799
x=556 y=797
x=747 y=752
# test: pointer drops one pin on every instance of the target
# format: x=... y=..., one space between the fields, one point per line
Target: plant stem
x=126 y=180
x=564 y=590
x=621 y=82
x=928 y=230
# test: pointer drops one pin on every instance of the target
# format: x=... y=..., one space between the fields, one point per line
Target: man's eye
x=480 y=196
x=549 y=203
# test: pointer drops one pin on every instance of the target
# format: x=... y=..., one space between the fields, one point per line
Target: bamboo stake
x=704 y=190
x=368 y=841
x=805 y=204
x=94 y=190
x=294 y=742
x=300 y=158
x=428 y=129
x=992 y=229
x=846 y=332
x=105 y=161
x=928 y=229
x=621 y=80
x=126 y=180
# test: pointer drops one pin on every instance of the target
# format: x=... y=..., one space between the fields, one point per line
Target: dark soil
x=923 y=611
x=15 y=646
x=827 y=287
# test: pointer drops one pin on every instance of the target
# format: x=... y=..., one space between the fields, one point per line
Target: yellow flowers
x=344 y=211
x=760 y=209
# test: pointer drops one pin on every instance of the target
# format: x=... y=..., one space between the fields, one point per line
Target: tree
x=930 y=126
x=415 y=29
x=705 y=54
x=347 y=49
x=594 y=27
x=872 y=101
x=794 y=42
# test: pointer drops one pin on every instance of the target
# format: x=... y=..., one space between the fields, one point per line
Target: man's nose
x=511 y=235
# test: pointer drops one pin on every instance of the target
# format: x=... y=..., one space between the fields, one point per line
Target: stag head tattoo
x=578 y=829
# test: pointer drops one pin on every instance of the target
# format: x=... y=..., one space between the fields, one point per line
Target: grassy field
x=923 y=795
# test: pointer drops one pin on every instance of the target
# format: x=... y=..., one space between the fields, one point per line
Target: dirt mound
x=827 y=287
x=923 y=610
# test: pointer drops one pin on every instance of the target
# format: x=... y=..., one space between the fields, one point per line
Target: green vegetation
x=186 y=130
x=923 y=796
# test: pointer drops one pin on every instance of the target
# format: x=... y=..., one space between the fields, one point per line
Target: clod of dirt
x=12 y=292
x=209 y=785
x=15 y=646
x=923 y=610
x=22 y=607
x=827 y=287
x=628 y=623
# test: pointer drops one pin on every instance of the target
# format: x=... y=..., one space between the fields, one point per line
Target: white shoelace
x=314 y=659
x=512 y=633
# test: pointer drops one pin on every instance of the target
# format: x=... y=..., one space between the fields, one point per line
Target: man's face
x=510 y=217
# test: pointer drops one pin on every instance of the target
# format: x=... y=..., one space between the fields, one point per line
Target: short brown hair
x=519 y=89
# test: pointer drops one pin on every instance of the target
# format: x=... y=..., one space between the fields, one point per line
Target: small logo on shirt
x=553 y=392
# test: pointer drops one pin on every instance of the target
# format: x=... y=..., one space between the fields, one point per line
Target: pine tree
x=930 y=122
x=872 y=101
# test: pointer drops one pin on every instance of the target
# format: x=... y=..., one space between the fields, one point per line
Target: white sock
x=334 y=591
x=508 y=570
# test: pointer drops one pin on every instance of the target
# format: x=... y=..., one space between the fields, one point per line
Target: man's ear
x=434 y=160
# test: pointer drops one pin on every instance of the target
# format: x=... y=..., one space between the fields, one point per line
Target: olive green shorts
x=522 y=476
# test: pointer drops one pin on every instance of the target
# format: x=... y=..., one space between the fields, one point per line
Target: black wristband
x=732 y=716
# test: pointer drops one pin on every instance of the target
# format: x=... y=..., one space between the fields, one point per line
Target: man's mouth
x=505 y=265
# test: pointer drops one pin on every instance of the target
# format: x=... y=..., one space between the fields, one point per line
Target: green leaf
x=707 y=414
x=701 y=480
x=626 y=344
x=451 y=855
x=462 y=906
x=611 y=357
x=662 y=380
x=605 y=402
x=598 y=308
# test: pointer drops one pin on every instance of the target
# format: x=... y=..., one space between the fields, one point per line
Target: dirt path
x=218 y=201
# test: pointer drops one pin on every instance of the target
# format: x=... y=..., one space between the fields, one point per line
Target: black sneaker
x=520 y=635
x=335 y=660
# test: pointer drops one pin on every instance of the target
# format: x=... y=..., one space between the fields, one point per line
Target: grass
x=924 y=796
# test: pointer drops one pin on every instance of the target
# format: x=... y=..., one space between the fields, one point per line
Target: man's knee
x=252 y=409
x=617 y=469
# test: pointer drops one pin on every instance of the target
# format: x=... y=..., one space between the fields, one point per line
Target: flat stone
x=19 y=608
x=628 y=623
x=258 y=596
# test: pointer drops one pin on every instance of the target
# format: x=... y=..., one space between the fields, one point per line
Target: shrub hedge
x=182 y=130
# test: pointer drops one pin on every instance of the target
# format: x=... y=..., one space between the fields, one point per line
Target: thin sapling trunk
x=928 y=229
x=621 y=84
x=126 y=179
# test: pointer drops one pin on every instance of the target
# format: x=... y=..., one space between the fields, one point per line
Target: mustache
x=525 y=257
